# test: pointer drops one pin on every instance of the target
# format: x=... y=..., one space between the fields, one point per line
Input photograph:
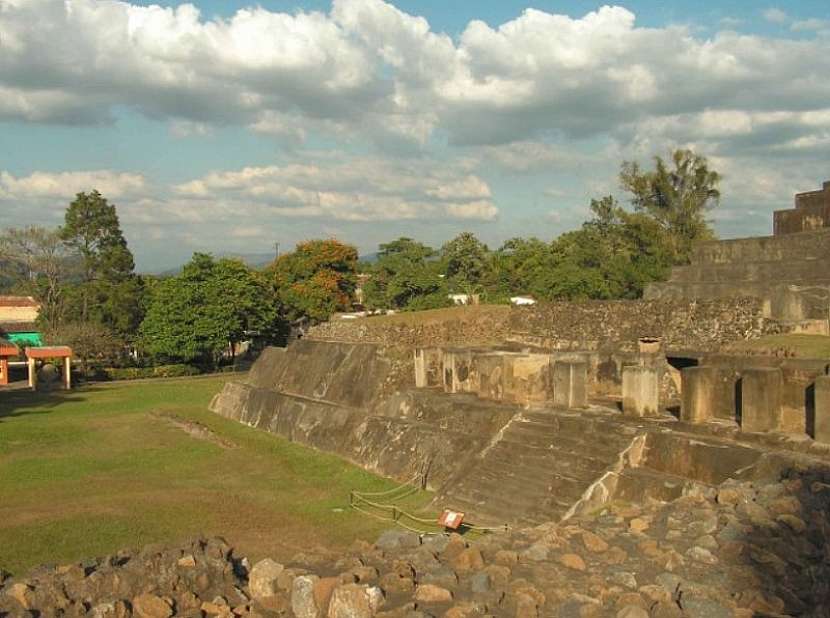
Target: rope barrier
x=357 y=499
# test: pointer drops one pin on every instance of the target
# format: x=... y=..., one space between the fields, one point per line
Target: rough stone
x=572 y=561
x=303 y=602
x=355 y=601
x=594 y=542
x=429 y=593
x=262 y=580
x=151 y=606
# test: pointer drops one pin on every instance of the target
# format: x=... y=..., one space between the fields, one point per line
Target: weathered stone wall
x=570 y=326
x=353 y=399
x=456 y=328
x=617 y=325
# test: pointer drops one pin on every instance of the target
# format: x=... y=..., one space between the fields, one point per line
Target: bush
x=138 y=373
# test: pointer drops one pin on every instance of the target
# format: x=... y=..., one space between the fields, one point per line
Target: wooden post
x=67 y=369
x=4 y=371
x=32 y=374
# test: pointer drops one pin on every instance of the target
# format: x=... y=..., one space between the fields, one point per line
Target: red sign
x=451 y=519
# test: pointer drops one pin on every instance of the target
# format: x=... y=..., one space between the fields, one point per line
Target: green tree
x=316 y=279
x=467 y=262
x=405 y=277
x=207 y=310
x=109 y=290
x=677 y=196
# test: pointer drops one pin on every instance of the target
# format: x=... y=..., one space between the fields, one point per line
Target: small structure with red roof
x=43 y=353
x=7 y=350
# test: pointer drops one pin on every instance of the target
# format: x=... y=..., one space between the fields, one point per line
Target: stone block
x=428 y=367
x=570 y=384
x=699 y=388
x=822 y=410
x=457 y=367
x=762 y=391
x=490 y=374
x=526 y=378
x=641 y=391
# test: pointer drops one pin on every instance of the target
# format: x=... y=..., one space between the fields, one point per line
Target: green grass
x=98 y=469
x=801 y=346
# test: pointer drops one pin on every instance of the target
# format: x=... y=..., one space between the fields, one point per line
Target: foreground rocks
x=737 y=550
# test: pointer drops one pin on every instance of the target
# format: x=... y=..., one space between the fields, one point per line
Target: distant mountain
x=254 y=260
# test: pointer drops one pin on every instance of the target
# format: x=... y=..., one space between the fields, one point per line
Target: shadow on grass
x=19 y=401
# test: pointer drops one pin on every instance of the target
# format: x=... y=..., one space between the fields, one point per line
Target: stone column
x=698 y=387
x=822 y=410
x=420 y=368
x=761 y=396
x=570 y=380
x=67 y=369
x=457 y=370
x=641 y=391
x=32 y=374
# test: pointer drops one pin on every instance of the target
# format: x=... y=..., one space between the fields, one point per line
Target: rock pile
x=741 y=549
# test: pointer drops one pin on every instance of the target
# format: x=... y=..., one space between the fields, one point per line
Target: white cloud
x=357 y=189
x=370 y=71
x=65 y=185
x=775 y=15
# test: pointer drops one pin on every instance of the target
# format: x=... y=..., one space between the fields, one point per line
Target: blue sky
x=228 y=126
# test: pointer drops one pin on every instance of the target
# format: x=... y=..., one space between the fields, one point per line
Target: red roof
x=57 y=351
x=7 y=348
x=18 y=301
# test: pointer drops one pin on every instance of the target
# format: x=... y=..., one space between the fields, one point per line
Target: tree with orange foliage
x=316 y=279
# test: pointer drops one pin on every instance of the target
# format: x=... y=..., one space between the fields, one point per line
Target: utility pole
x=277 y=249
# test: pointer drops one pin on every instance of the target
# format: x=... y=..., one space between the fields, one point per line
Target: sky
x=227 y=126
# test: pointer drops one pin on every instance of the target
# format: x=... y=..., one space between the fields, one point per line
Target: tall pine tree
x=109 y=288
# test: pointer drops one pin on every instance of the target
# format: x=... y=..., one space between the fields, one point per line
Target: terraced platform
x=542 y=464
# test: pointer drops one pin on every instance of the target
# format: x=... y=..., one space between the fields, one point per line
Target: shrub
x=138 y=373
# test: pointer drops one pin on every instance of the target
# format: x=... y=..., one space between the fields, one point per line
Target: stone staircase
x=537 y=469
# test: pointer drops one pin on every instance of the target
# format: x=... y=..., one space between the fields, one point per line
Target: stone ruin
x=640 y=468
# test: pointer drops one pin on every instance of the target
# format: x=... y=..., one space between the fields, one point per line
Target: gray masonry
x=761 y=399
x=570 y=384
x=699 y=394
x=641 y=391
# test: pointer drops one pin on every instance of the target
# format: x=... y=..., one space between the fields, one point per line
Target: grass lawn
x=97 y=469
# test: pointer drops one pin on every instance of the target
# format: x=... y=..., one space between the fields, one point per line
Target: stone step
x=510 y=468
x=492 y=501
x=571 y=456
x=598 y=431
x=539 y=434
x=522 y=482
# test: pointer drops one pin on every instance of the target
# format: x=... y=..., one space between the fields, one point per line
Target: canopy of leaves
x=109 y=288
x=202 y=313
x=405 y=277
x=467 y=262
x=317 y=279
x=676 y=197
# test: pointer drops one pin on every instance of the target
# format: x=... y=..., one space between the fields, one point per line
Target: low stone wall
x=462 y=326
x=568 y=326
x=617 y=325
